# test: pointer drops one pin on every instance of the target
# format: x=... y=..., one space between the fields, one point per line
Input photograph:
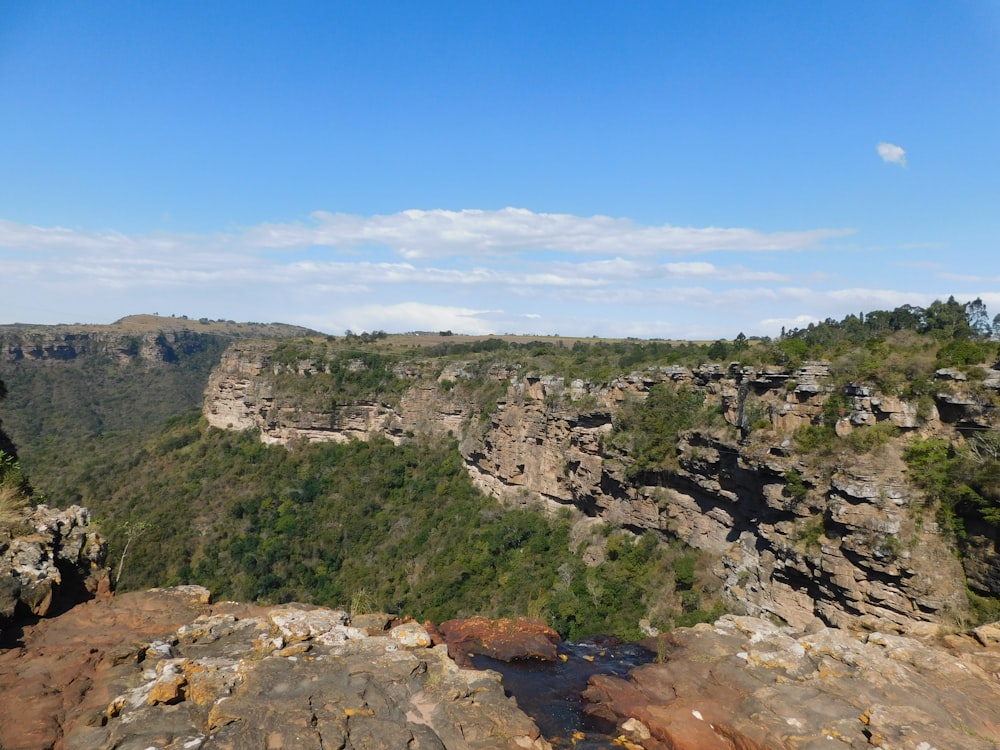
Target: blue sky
x=649 y=169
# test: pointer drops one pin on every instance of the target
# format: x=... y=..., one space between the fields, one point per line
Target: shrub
x=12 y=502
x=650 y=429
x=795 y=485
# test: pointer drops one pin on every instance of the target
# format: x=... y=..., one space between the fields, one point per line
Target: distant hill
x=82 y=394
x=132 y=324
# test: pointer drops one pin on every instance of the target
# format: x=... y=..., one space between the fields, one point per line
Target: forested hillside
x=401 y=528
x=80 y=397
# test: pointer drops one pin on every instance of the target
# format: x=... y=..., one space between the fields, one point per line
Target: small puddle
x=550 y=692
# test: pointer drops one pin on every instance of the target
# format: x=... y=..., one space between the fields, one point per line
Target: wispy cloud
x=414 y=316
x=606 y=276
x=700 y=270
x=419 y=234
x=439 y=233
x=891 y=153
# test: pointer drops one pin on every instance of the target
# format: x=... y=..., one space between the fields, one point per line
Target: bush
x=795 y=485
x=649 y=430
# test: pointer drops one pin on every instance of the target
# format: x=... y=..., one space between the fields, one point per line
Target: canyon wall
x=848 y=545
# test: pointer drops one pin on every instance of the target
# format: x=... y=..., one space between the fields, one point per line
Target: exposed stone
x=806 y=559
x=203 y=681
x=747 y=683
x=504 y=639
x=410 y=635
x=47 y=556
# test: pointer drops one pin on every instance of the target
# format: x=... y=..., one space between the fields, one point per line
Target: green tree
x=946 y=320
x=978 y=317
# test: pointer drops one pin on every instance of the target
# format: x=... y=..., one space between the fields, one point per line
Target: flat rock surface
x=749 y=684
x=166 y=669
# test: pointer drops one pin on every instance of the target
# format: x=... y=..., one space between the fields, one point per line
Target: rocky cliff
x=167 y=669
x=137 y=338
x=847 y=545
x=49 y=559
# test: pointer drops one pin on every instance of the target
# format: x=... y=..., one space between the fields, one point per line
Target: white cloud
x=970 y=278
x=711 y=271
x=690 y=269
x=789 y=324
x=891 y=153
x=638 y=290
x=418 y=234
x=417 y=316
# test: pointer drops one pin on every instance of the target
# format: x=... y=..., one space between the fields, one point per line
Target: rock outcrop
x=506 y=639
x=747 y=683
x=49 y=559
x=848 y=545
x=166 y=669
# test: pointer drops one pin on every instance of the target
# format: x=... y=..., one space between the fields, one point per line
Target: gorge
x=859 y=594
x=847 y=547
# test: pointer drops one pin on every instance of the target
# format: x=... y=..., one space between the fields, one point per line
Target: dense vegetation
x=14 y=489
x=963 y=479
x=402 y=527
x=77 y=418
x=648 y=430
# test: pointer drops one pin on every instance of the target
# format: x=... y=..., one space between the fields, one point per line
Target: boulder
x=504 y=639
x=50 y=559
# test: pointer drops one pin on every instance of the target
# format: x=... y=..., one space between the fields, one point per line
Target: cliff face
x=39 y=346
x=848 y=545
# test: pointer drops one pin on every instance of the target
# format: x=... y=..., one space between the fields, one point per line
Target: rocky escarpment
x=167 y=669
x=61 y=346
x=138 y=338
x=839 y=539
x=49 y=559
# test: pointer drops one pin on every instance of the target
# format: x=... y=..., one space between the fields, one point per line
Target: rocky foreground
x=167 y=669
x=747 y=684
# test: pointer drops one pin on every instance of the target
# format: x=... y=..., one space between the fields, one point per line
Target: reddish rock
x=747 y=684
x=166 y=669
x=504 y=639
x=51 y=675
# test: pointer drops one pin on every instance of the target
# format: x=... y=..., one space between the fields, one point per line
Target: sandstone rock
x=294 y=623
x=728 y=496
x=504 y=639
x=411 y=635
x=202 y=682
x=747 y=683
x=49 y=556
